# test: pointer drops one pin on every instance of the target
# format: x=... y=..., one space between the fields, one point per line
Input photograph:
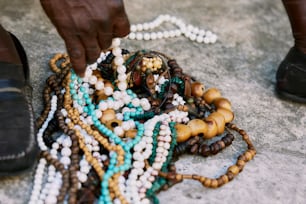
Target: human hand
x=87 y=27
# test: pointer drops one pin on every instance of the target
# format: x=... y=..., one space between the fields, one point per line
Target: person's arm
x=87 y=26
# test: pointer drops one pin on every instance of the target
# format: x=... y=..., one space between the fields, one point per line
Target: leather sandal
x=291 y=77
x=18 y=146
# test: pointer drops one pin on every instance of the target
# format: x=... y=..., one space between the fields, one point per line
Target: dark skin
x=87 y=26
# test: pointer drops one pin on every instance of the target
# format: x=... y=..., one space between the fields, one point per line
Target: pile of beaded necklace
x=113 y=136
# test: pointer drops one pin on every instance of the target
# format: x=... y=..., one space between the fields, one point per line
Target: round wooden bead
x=211 y=94
x=183 y=132
x=197 y=89
x=111 y=124
x=197 y=127
x=224 y=179
x=101 y=95
x=234 y=169
x=248 y=156
x=108 y=115
x=222 y=103
x=212 y=128
x=227 y=114
x=130 y=133
x=214 y=183
x=218 y=117
x=207 y=182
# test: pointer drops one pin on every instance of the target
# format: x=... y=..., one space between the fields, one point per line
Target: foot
x=17 y=140
x=291 y=76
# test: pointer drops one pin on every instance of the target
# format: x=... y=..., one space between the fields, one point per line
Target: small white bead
x=99 y=85
x=200 y=39
x=103 y=106
x=122 y=86
x=160 y=35
x=122 y=77
x=65 y=160
x=118 y=131
x=192 y=37
x=116 y=51
x=132 y=36
x=121 y=69
x=133 y=28
x=98 y=113
x=139 y=27
x=116 y=42
x=108 y=91
x=206 y=40
x=118 y=60
x=82 y=177
x=146 y=36
x=139 y=36
x=153 y=36
x=66 y=151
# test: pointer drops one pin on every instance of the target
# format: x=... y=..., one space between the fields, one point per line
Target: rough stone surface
x=254 y=36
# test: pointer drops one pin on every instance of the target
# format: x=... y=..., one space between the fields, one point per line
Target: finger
x=105 y=39
x=76 y=53
x=92 y=47
x=121 y=26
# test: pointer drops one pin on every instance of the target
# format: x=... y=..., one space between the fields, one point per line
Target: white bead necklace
x=189 y=31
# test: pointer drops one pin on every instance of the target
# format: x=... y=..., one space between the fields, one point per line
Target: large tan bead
x=100 y=95
x=108 y=84
x=218 y=117
x=212 y=128
x=130 y=133
x=197 y=89
x=108 y=115
x=111 y=124
x=222 y=103
x=211 y=94
x=227 y=114
x=183 y=132
x=197 y=127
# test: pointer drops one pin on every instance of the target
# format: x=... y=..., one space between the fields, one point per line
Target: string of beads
x=114 y=135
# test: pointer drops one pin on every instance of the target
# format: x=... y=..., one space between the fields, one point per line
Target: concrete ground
x=254 y=36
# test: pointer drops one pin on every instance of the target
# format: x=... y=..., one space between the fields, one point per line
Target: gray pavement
x=254 y=36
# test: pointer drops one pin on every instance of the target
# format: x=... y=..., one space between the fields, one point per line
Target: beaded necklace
x=112 y=136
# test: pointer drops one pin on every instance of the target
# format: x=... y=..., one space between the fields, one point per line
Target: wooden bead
x=130 y=133
x=248 y=156
x=108 y=115
x=197 y=89
x=111 y=124
x=212 y=128
x=211 y=94
x=100 y=95
x=218 y=117
x=233 y=169
x=222 y=103
x=227 y=114
x=207 y=182
x=183 y=132
x=224 y=179
x=240 y=164
x=197 y=127
x=214 y=183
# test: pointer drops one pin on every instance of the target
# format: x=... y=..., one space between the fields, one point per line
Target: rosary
x=114 y=135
